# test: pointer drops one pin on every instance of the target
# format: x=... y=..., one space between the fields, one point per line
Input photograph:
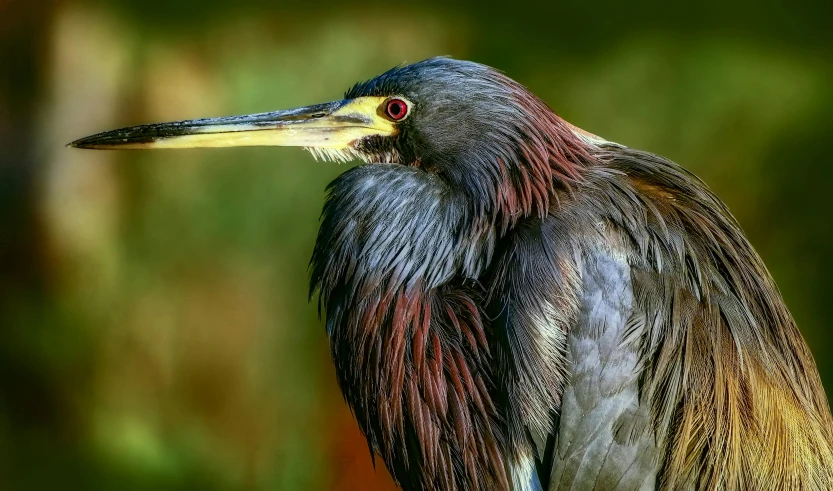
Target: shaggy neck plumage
x=406 y=333
x=397 y=260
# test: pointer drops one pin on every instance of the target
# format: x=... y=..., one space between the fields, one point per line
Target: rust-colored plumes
x=549 y=155
x=425 y=389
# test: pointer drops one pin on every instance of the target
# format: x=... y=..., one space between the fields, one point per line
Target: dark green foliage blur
x=155 y=330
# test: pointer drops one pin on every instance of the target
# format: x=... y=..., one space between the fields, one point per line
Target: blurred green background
x=155 y=331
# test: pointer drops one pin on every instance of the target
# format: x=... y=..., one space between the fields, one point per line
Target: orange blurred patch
x=352 y=466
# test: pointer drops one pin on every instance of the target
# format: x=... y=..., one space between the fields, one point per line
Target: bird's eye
x=396 y=109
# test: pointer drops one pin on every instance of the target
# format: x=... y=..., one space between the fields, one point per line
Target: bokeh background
x=155 y=331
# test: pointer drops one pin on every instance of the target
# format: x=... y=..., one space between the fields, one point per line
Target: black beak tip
x=100 y=141
x=86 y=142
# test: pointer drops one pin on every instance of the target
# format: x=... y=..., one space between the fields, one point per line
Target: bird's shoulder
x=679 y=361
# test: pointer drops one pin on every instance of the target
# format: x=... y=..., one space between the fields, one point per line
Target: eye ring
x=396 y=109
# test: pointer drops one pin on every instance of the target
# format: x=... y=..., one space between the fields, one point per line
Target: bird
x=514 y=303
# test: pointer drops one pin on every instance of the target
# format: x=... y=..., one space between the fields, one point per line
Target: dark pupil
x=395 y=109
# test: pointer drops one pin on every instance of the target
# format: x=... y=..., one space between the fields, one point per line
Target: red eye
x=397 y=109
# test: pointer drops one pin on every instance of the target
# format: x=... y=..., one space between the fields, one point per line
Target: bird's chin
x=347 y=154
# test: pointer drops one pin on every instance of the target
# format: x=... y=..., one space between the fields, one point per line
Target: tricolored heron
x=514 y=303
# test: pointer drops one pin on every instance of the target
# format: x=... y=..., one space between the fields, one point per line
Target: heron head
x=484 y=133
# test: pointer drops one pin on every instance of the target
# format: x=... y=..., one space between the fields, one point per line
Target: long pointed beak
x=334 y=125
